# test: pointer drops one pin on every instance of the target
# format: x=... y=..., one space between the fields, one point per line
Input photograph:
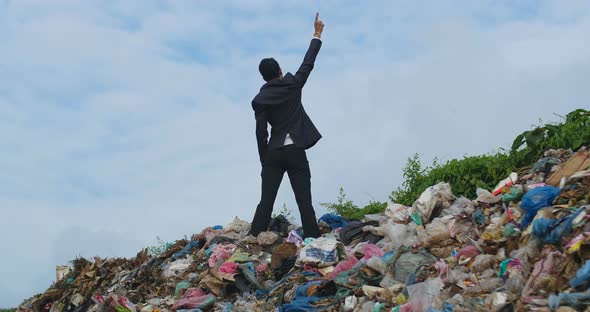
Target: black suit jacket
x=279 y=104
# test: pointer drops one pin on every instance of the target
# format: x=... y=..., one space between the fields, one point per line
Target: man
x=292 y=132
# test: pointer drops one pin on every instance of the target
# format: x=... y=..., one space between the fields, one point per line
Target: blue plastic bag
x=551 y=231
x=535 y=200
x=333 y=220
x=573 y=300
x=582 y=279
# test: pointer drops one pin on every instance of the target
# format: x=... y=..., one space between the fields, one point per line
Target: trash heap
x=524 y=246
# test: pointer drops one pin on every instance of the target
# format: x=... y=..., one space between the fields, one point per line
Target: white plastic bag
x=398 y=213
x=322 y=251
x=433 y=200
x=177 y=267
x=398 y=234
x=484 y=196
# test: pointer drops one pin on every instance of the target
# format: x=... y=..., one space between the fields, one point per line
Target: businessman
x=292 y=132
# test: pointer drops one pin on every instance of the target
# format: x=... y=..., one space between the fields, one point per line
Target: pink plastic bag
x=261 y=267
x=195 y=298
x=468 y=252
x=370 y=250
x=343 y=266
x=229 y=267
x=220 y=254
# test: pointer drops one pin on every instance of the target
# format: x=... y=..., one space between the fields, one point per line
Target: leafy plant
x=158 y=248
x=346 y=208
x=286 y=212
x=467 y=174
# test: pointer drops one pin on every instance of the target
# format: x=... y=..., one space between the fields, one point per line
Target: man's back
x=279 y=104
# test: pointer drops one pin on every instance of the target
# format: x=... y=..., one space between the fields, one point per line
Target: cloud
x=122 y=121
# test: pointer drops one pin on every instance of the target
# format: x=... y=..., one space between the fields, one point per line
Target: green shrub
x=467 y=174
x=346 y=208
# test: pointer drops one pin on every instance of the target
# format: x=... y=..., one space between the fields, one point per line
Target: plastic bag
x=433 y=200
x=515 y=193
x=180 y=287
x=334 y=221
x=438 y=231
x=377 y=264
x=398 y=234
x=574 y=300
x=238 y=226
x=535 y=200
x=195 y=298
x=321 y=251
x=398 y=213
x=461 y=207
x=220 y=254
x=484 y=196
x=552 y=231
x=267 y=238
x=483 y=262
x=343 y=266
x=422 y=294
x=295 y=238
x=582 y=279
x=177 y=267
x=368 y=250
x=229 y=268
x=409 y=262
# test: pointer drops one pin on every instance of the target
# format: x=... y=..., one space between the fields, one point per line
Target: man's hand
x=319 y=26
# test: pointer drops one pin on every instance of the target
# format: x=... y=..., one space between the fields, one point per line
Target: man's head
x=269 y=69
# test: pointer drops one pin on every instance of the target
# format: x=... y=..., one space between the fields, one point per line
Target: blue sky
x=121 y=121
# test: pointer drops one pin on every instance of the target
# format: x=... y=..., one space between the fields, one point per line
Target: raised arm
x=309 y=59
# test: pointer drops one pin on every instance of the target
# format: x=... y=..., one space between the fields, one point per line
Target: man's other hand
x=319 y=26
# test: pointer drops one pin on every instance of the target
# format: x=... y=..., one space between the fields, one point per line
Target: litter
x=443 y=253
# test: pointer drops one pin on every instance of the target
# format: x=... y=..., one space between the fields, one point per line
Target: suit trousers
x=293 y=160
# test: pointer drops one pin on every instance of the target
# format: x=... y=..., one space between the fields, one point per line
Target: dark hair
x=269 y=69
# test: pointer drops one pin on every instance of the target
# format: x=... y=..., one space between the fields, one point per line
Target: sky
x=123 y=121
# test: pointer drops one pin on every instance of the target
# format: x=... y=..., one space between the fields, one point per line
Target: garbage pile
x=524 y=246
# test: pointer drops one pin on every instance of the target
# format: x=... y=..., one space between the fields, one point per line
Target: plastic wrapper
x=433 y=200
